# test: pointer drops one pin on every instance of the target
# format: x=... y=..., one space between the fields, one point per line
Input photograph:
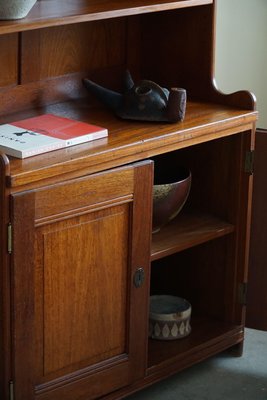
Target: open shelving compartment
x=194 y=256
x=100 y=40
x=201 y=275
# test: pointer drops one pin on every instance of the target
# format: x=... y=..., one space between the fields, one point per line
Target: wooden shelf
x=127 y=141
x=47 y=13
x=205 y=333
x=185 y=231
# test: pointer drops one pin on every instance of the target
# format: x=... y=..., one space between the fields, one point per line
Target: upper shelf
x=47 y=13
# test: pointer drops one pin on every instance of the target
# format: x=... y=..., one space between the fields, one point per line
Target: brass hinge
x=9 y=238
x=242 y=293
x=249 y=162
x=11 y=390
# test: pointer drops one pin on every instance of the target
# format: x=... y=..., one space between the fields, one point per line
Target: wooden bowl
x=169 y=317
x=170 y=193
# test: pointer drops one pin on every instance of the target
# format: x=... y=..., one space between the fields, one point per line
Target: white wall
x=241 y=49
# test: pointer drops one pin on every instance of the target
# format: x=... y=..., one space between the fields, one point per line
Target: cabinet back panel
x=180 y=40
x=215 y=168
x=79 y=325
x=9 y=60
x=53 y=62
x=72 y=48
x=197 y=275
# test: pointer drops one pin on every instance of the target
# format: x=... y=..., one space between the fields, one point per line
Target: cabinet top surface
x=127 y=141
x=47 y=13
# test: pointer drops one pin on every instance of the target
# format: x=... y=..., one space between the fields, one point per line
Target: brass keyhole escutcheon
x=139 y=277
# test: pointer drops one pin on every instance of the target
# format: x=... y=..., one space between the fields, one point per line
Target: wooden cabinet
x=78 y=258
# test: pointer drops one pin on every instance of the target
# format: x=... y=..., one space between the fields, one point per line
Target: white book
x=45 y=133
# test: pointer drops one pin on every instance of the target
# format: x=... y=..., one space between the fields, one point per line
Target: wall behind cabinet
x=241 y=51
x=241 y=62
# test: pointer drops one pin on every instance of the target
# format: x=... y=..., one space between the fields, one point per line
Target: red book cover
x=62 y=128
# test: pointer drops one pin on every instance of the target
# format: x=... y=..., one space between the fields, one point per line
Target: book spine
x=43 y=149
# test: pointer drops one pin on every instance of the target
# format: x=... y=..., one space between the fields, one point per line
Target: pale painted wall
x=241 y=49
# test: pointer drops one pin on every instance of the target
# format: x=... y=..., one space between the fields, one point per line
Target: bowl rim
x=187 y=177
x=179 y=315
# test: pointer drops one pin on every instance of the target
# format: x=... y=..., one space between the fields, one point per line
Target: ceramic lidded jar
x=169 y=317
x=15 y=9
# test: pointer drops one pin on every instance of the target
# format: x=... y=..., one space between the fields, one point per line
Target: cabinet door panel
x=77 y=260
x=87 y=329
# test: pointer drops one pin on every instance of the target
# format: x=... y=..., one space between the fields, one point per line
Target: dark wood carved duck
x=146 y=101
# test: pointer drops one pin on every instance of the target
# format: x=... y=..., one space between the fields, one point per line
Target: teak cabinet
x=78 y=259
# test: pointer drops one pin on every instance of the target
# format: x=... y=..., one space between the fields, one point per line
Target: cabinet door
x=79 y=315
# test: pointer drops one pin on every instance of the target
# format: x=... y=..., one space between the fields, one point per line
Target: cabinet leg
x=236 y=350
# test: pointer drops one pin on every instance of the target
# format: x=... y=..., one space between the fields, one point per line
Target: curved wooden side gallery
x=76 y=223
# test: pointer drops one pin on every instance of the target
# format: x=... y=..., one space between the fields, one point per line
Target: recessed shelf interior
x=201 y=277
